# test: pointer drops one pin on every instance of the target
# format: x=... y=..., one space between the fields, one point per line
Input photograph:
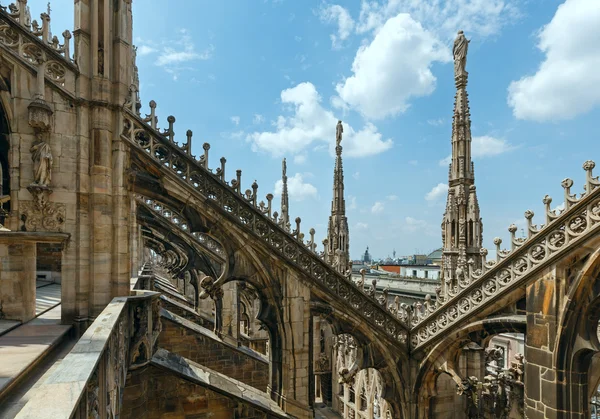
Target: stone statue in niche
x=461 y=46
x=42 y=162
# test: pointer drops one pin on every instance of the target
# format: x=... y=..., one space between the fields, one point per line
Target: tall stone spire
x=462 y=227
x=285 y=202
x=337 y=231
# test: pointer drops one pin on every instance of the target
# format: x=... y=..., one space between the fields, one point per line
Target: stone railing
x=252 y=216
x=33 y=44
x=476 y=289
x=171 y=217
x=89 y=382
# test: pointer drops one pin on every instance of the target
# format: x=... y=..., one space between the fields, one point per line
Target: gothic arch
x=443 y=357
x=577 y=341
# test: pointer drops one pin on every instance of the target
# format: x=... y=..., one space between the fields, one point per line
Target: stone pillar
x=295 y=351
x=541 y=386
x=17 y=280
x=230 y=314
x=18 y=271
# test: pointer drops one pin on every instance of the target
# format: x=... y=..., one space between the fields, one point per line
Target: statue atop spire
x=459 y=51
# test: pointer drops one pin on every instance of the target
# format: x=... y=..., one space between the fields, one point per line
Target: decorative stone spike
x=66 y=48
x=169 y=133
x=45 y=17
x=187 y=147
x=311 y=244
x=529 y=217
x=566 y=184
x=497 y=242
x=238 y=174
x=254 y=192
x=298 y=220
x=591 y=182
x=204 y=160
x=152 y=117
x=513 y=229
x=222 y=170
x=275 y=216
x=269 y=199
x=549 y=213
x=325 y=250
x=483 y=252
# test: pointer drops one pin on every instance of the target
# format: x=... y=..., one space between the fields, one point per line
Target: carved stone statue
x=42 y=162
x=339 y=129
x=461 y=45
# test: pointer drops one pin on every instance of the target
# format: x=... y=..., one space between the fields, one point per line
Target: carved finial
x=311 y=245
x=254 y=191
x=221 y=170
x=512 y=229
x=566 y=184
x=497 y=242
x=187 y=147
x=205 y=147
x=169 y=131
x=591 y=182
x=298 y=220
x=269 y=199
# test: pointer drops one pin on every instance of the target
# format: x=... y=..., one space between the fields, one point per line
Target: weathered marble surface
x=220 y=383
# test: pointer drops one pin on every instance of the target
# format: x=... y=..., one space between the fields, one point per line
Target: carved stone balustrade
x=89 y=381
x=243 y=210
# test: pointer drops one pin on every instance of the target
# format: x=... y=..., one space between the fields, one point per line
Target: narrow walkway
x=23 y=391
x=22 y=348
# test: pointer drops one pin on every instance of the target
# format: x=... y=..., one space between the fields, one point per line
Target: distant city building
x=436 y=256
x=367 y=257
x=413 y=271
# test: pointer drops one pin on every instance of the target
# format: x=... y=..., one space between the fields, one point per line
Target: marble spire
x=338 y=239
x=462 y=227
x=285 y=202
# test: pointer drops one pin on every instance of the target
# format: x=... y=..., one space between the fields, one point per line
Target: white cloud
x=298 y=189
x=300 y=158
x=235 y=120
x=310 y=123
x=408 y=36
x=413 y=225
x=484 y=146
x=182 y=51
x=336 y=13
x=413 y=162
x=356 y=175
x=436 y=122
x=258 y=119
x=297 y=38
x=480 y=17
x=438 y=191
x=394 y=67
x=377 y=207
x=145 y=50
x=566 y=83
x=362 y=226
x=392 y=197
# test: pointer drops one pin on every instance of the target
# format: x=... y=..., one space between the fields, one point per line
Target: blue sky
x=264 y=79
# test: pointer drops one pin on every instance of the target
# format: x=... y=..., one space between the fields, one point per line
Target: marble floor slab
x=23 y=347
